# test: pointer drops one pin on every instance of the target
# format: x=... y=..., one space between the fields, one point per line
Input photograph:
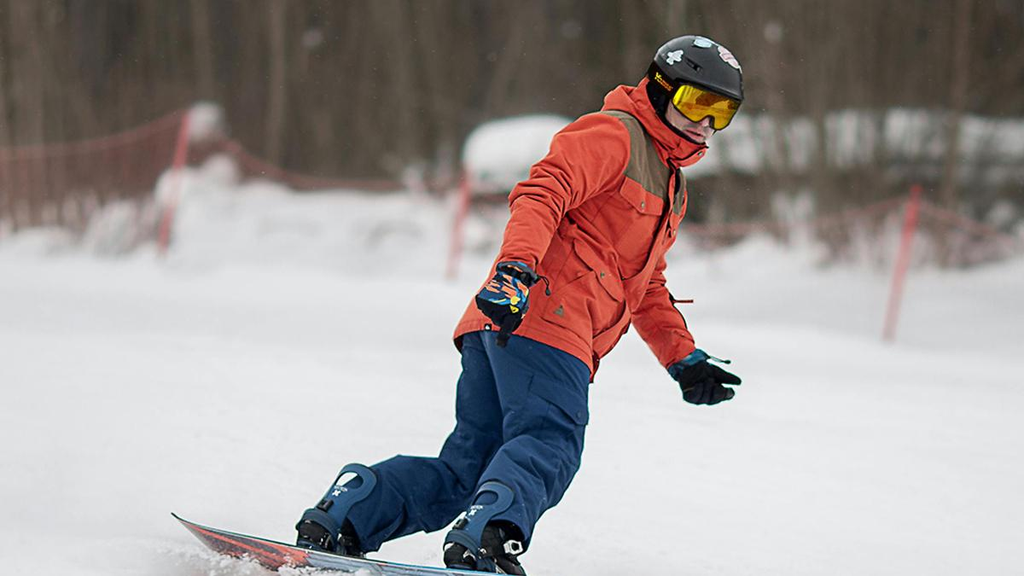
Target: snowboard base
x=275 y=555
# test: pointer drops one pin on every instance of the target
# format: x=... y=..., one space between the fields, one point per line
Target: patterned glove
x=506 y=298
x=701 y=381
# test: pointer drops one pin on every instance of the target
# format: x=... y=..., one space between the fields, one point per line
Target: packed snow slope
x=285 y=336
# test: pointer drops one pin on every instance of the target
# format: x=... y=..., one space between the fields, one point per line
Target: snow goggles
x=696 y=104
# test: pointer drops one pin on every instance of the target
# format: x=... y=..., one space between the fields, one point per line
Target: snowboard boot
x=326 y=526
x=476 y=542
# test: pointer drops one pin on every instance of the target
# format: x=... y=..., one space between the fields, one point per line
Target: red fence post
x=902 y=263
x=174 y=188
x=455 y=250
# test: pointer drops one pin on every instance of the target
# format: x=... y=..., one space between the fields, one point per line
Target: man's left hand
x=701 y=381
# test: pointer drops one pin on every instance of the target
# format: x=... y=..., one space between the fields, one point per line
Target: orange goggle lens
x=697 y=104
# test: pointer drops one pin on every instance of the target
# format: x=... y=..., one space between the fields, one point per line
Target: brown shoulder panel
x=645 y=168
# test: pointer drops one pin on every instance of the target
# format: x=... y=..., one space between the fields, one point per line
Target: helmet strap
x=658 y=97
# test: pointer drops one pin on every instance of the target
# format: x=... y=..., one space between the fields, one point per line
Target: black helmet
x=693 y=60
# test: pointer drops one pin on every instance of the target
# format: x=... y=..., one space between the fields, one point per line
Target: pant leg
x=415 y=493
x=543 y=393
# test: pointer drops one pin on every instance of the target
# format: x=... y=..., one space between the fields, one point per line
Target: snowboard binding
x=476 y=542
x=326 y=526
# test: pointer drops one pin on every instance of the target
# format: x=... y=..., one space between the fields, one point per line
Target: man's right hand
x=506 y=298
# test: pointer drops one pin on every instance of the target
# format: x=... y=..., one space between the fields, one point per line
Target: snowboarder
x=592 y=222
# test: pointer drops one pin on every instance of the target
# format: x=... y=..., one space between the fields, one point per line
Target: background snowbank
x=498 y=154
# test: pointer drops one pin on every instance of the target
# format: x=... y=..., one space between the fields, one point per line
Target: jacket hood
x=671 y=147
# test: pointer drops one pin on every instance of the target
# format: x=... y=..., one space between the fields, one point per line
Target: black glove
x=701 y=381
x=506 y=298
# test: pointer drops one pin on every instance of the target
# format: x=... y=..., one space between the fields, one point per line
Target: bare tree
x=202 y=46
x=277 y=23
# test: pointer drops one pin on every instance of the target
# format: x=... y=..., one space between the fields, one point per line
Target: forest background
x=368 y=88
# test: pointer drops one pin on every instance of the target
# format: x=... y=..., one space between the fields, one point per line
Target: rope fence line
x=64 y=183
x=168 y=122
x=971 y=226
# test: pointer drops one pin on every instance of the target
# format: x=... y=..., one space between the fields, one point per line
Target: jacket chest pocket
x=640 y=200
x=638 y=214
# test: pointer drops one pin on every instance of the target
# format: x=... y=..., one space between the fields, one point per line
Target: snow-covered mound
x=498 y=154
x=222 y=221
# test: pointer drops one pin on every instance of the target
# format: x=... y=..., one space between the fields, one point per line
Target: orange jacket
x=596 y=217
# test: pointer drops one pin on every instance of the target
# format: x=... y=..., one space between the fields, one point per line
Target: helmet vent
x=696 y=67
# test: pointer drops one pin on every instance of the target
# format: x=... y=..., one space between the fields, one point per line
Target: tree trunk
x=277 y=11
x=202 y=47
x=27 y=104
x=961 y=61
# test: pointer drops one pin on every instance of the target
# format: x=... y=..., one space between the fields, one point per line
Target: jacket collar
x=671 y=147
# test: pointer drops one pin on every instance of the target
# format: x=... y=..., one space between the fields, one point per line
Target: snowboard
x=275 y=555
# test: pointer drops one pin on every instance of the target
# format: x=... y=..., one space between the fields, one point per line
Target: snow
x=498 y=153
x=280 y=340
x=205 y=121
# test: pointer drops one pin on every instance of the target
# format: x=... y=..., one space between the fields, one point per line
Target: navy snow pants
x=520 y=413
